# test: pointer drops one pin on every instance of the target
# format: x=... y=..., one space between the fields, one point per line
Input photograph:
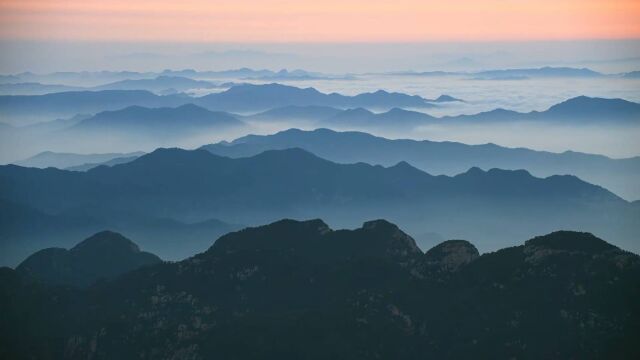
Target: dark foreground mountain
x=299 y=290
x=494 y=207
x=104 y=255
x=622 y=176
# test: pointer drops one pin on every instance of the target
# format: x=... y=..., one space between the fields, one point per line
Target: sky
x=318 y=21
x=335 y=36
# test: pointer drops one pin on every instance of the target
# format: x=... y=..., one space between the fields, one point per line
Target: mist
x=49 y=56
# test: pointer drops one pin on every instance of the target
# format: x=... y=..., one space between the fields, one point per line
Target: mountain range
x=23 y=108
x=514 y=73
x=104 y=255
x=621 y=176
x=580 y=110
x=250 y=97
x=156 y=122
x=240 y=98
x=162 y=85
x=25 y=229
x=296 y=290
x=191 y=186
x=96 y=78
x=244 y=98
x=543 y=72
x=65 y=160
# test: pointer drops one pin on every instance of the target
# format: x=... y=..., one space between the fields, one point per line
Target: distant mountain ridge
x=577 y=110
x=240 y=97
x=112 y=162
x=580 y=110
x=269 y=97
x=622 y=176
x=157 y=121
x=65 y=160
x=162 y=84
x=25 y=229
x=66 y=104
x=547 y=71
x=295 y=183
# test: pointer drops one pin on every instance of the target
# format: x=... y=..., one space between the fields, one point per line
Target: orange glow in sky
x=318 y=20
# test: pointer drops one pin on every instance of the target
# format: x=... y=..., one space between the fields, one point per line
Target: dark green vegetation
x=494 y=207
x=299 y=290
x=104 y=255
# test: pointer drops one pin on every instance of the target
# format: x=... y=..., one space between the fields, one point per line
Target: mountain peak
x=570 y=241
x=595 y=107
x=447 y=98
x=106 y=254
x=379 y=224
x=280 y=235
x=451 y=254
x=314 y=240
x=384 y=237
x=106 y=241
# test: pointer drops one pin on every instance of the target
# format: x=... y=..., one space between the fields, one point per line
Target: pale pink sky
x=318 y=20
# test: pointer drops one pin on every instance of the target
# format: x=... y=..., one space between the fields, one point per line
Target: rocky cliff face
x=451 y=254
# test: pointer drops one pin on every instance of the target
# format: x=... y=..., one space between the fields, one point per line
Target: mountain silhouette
x=575 y=111
x=111 y=162
x=249 y=97
x=543 y=72
x=618 y=175
x=157 y=121
x=298 y=289
x=310 y=112
x=104 y=255
x=67 y=104
x=161 y=84
x=65 y=160
x=260 y=98
x=394 y=119
x=25 y=229
x=33 y=88
x=446 y=98
x=195 y=185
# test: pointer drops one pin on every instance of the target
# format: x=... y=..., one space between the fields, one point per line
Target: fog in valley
x=30 y=136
